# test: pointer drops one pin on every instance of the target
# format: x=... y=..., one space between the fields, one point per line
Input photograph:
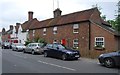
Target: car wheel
x=17 y=49
x=45 y=54
x=12 y=49
x=33 y=52
x=64 y=57
x=24 y=51
x=109 y=62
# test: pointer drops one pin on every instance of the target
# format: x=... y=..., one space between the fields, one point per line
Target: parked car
x=6 y=45
x=34 y=48
x=110 y=59
x=59 y=51
x=18 y=47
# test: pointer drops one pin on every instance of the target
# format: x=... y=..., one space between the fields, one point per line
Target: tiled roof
x=65 y=19
x=75 y=17
x=27 y=24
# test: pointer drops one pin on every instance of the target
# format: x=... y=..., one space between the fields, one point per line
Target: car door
x=28 y=48
x=56 y=51
x=48 y=49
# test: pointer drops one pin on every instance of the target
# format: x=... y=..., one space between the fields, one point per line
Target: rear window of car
x=49 y=46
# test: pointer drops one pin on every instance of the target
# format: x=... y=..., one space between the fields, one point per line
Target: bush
x=27 y=42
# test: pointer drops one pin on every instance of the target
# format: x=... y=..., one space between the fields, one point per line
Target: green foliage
x=27 y=42
x=117 y=26
x=104 y=17
x=40 y=40
x=112 y=22
x=36 y=40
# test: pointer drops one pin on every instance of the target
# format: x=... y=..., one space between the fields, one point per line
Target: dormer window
x=55 y=30
x=44 y=31
x=76 y=28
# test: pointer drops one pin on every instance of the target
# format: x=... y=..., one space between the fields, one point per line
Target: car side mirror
x=119 y=52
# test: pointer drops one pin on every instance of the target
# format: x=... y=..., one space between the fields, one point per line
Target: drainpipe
x=89 y=35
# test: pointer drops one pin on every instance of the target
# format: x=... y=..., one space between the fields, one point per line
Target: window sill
x=75 y=32
x=99 y=48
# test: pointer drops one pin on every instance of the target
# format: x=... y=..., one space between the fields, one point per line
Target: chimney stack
x=11 y=27
x=30 y=15
x=57 y=13
x=18 y=24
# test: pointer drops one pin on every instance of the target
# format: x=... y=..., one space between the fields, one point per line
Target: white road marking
x=20 y=56
x=15 y=65
x=57 y=65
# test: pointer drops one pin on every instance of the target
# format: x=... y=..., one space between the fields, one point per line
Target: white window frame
x=33 y=32
x=100 y=41
x=76 y=26
x=75 y=43
x=44 y=31
x=55 y=30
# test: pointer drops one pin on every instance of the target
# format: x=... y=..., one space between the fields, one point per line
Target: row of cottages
x=84 y=30
x=19 y=32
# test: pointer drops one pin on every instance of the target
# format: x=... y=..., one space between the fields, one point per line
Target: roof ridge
x=80 y=11
x=72 y=13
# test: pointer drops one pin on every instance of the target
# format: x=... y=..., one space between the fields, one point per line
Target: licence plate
x=76 y=55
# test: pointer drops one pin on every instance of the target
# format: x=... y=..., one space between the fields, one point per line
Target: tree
x=117 y=25
x=112 y=23
x=99 y=8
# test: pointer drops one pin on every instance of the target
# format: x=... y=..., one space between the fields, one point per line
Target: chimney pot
x=17 y=24
x=57 y=12
x=11 y=27
x=30 y=15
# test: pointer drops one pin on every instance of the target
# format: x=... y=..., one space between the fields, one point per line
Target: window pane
x=44 y=30
x=55 y=29
x=75 y=26
x=99 y=41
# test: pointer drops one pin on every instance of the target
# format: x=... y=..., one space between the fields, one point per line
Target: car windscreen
x=61 y=47
x=19 y=44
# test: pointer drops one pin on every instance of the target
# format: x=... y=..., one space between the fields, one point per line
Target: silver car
x=34 y=48
x=18 y=47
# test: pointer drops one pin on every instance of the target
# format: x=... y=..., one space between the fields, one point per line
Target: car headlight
x=101 y=55
x=69 y=52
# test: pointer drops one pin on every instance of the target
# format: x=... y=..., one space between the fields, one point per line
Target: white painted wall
x=22 y=36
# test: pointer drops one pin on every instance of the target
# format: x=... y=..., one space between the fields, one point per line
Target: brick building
x=6 y=34
x=84 y=30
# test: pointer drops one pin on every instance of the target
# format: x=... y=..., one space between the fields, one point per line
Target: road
x=18 y=62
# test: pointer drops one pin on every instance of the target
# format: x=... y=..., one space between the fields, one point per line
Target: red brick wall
x=5 y=37
x=66 y=32
x=110 y=40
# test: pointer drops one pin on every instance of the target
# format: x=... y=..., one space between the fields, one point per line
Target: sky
x=16 y=11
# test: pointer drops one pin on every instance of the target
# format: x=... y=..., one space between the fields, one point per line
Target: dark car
x=6 y=45
x=59 y=51
x=110 y=59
